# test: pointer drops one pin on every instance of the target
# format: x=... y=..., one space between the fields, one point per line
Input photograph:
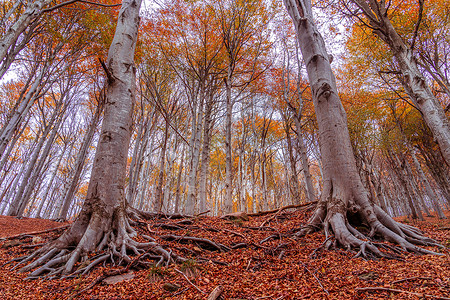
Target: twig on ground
x=34 y=233
x=196 y=287
x=234 y=232
x=202 y=213
x=317 y=279
x=208 y=243
x=420 y=295
x=215 y=294
x=411 y=278
x=263 y=213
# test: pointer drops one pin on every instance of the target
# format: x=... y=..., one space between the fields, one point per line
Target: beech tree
x=344 y=202
x=103 y=222
x=377 y=17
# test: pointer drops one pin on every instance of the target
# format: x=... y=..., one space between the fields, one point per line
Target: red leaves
x=252 y=272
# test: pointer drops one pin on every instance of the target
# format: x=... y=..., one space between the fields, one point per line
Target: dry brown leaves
x=280 y=268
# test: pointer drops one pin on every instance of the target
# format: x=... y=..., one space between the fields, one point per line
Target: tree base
x=345 y=223
x=115 y=245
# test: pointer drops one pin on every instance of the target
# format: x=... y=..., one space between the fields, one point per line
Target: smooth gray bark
x=343 y=191
x=17 y=202
x=79 y=164
x=103 y=211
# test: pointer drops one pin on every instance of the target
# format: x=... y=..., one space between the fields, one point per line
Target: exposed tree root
x=204 y=243
x=67 y=256
x=263 y=213
x=356 y=223
x=30 y=234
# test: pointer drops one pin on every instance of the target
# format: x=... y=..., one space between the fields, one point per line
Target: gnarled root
x=115 y=245
x=344 y=217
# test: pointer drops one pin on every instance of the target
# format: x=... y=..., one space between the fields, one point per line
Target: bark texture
x=103 y=224
x=344 y=201
x=411 y=78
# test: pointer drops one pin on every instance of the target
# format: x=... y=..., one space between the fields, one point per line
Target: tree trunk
x=344 y=199
x=32 y=11
x=17 y=203
x=228 y=202
x=79 y=164
x=102 y=222
x=195 y=143
x=50 y=184
x=37 y=170
x=205 y=153
x=178 y=188
x=158 y=200
x=412 y=80
x=430 y=192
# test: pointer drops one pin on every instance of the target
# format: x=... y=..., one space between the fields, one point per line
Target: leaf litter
x=254 y=259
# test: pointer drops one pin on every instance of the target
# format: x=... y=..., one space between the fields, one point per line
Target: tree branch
x=74 y=1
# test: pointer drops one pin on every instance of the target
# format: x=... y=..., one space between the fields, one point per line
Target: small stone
x=368 y=276
x=171 y=287
x=118 y=278
x=37 y=240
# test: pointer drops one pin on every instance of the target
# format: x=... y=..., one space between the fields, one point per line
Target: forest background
x=51 y=109
x=213 y=114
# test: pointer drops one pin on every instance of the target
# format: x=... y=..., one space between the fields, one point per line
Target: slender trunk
x=49 y=185
x=399 y=168
x=22 y=110
x=37 y=169
x=195 y=154
x=79 y=164
x=228 y=202
x=131 y=173
x=178 y=192
x=430 y=192
x=205 y=154
x=294 y=187
x=17 y=202
x=6 y=156
x=31 y=13
x=412 y=80
x=158 y=200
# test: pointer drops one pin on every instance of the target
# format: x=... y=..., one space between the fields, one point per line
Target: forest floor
x=277 y=268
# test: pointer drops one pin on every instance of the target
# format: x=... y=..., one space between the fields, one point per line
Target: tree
x=344 y=201
x=103 y=222
x=377 y=16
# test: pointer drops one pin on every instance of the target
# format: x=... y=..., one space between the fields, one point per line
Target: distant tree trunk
x=37 y=170
x=343 y=195
x=195 y=144
x=310 y=192
x=294 y=186
x=158 y=200
x=17 y=203
x=399 y=168
x=79 y=163
x=19 y=114
x=438 y=170
x=7 y=154
x=32 y=11
x=205 y=153
x=177 y=191
x=430 y=192
x=228 y=201
x=134 y=158
x=49 y=185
